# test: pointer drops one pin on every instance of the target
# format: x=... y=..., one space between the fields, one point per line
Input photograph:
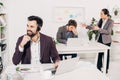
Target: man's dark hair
x=106 y=12
x=72 y=22
x=37 y=19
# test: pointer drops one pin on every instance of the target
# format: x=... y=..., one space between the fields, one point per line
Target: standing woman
x=104 y=28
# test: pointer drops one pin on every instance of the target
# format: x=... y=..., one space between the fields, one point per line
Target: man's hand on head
x=74 y=30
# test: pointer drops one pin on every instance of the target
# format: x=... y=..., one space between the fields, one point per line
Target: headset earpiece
x=38 y=28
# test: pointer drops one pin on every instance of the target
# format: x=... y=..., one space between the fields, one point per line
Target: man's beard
x=32 y=34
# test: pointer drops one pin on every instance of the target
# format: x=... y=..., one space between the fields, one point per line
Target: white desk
x=83 y=71
x=35 y=72
x=85 y=48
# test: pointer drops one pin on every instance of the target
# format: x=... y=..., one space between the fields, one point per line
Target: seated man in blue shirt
x=65 y=32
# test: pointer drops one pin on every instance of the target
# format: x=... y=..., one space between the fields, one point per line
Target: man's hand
x=83 y=25
x=74 y=30
x=56 y=64
x=25 y=39
x=96 y=28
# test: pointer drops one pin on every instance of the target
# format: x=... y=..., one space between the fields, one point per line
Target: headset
x=38 y=20
x=38 y=28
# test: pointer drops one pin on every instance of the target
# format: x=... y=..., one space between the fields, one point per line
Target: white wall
x=19 y=10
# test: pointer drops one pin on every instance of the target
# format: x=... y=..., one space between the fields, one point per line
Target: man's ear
x=38 y=28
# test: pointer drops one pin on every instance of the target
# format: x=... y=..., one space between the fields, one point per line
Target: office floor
x=114 y=70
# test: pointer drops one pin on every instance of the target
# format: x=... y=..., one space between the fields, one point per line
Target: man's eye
x=32 y=26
